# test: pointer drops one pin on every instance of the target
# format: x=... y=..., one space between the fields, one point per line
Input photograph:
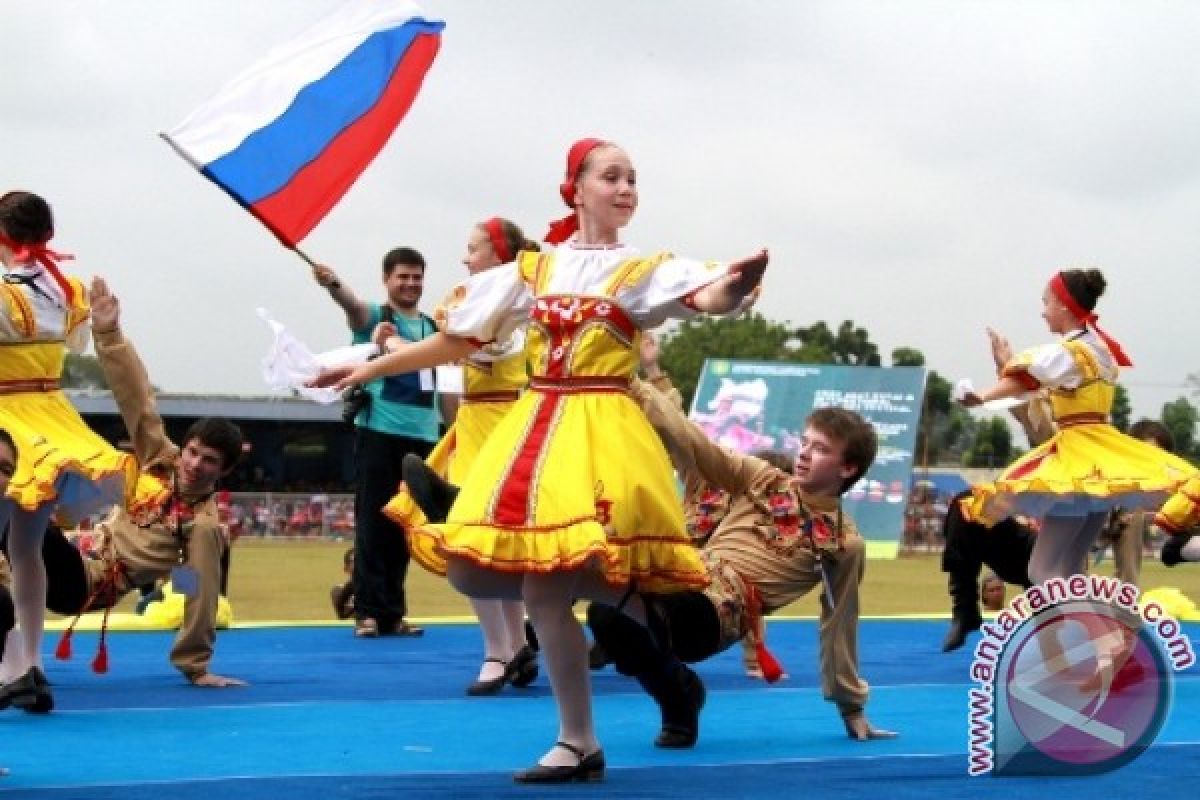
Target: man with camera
x=392 y=416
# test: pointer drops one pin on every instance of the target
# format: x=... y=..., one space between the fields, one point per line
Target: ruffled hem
x=1038 y=497
x=78 y=489
x=657 y=564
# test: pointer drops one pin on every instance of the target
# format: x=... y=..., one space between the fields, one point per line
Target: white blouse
x=1053 y=366
x=489 y=306
x=49 y=310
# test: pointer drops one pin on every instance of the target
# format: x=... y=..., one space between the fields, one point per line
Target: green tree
x=1180 y=417
x=946 y=428
x=992 y=444
x=850 y=346
x=1121 y=409
x=83 y=372
x=907 y=357
x=752 y=337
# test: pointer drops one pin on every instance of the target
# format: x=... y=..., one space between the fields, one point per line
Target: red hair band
x=1059 y=287
x=46 y=257
x=494 y=228
x=563 y=229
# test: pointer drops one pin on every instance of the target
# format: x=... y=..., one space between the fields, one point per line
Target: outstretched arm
x=441 y=348
x=694 y=454
x=727 y=292
x=1007 y=386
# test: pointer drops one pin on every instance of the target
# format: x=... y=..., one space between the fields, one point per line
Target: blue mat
x=328 y=715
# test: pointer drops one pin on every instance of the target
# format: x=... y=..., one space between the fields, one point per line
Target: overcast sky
x=919 y=167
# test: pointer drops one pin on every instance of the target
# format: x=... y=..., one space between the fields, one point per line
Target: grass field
x=290 y=580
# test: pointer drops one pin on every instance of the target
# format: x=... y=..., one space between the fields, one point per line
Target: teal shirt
x=398 y=405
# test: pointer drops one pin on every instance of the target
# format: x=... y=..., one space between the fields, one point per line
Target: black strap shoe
x=43 y=700
x=21 y=692
x=492 y=686
x=589 y=769
x=523 y=669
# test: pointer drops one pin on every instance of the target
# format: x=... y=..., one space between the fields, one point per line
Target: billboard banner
x=762 y=405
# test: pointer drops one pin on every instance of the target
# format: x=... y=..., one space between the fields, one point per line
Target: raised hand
x=383 y=331
x=1001 y=350
x=747 y=273
x=323 y=275
x=106 y=309
x=728 y=292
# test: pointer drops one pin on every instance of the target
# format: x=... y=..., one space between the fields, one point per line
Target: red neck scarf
x=565 y=228
x=1088 y=318
x=24 y=253
x=494 y=228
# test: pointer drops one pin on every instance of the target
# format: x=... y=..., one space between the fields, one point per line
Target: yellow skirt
x=1182 y=511
x=568 y=481
x=60 y=460
x=451 y=458
x=1083 y=469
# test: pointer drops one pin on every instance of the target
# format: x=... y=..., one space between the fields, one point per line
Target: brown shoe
x=403 y=628
x=366 y=628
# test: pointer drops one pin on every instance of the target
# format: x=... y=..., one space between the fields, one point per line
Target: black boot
x=680 y=695
x=598 y=656
x=1172 y=549
x=429 y=491
x=965 y=615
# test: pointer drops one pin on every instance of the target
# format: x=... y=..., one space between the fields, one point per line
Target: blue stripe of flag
x=268 y=158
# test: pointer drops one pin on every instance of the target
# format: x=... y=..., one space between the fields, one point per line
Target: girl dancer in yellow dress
x=572 y=495
x=493 y=378
x=1075 y=478
x=63 y=468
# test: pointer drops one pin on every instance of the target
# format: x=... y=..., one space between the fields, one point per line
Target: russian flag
x=289 y=136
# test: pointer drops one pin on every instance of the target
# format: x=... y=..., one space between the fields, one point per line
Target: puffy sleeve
x=1051 y=365
x=486 y=307
x=660 y=293
x=78 y=331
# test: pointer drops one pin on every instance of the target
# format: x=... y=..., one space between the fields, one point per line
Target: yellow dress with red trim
x=575 y=476
x=493 y=378
x=60 y=460
x=1088 y=466
x=1181 y=512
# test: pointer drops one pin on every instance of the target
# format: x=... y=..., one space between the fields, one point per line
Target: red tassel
x=63 y=651
x=100 y=662
x=771 y=670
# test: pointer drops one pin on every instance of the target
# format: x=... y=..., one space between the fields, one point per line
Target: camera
x=354 y=400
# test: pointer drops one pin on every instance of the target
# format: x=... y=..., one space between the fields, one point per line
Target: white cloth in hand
x=289 y=363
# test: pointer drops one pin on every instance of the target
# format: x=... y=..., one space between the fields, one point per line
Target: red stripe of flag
x=294 y=210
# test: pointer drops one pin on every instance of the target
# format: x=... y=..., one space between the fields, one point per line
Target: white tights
x=549 y=599
x=26 y=531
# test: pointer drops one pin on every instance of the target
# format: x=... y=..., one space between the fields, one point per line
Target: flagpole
x=303 y=255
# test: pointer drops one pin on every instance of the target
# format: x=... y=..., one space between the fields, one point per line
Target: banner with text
x=762 y=405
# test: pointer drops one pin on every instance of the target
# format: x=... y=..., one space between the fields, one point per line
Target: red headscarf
x=562 y=229
x=43 y=255
x=1059 y=287
x=494 y=228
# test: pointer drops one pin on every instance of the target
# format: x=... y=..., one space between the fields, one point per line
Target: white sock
x=1191 y=550
x=13 y=665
